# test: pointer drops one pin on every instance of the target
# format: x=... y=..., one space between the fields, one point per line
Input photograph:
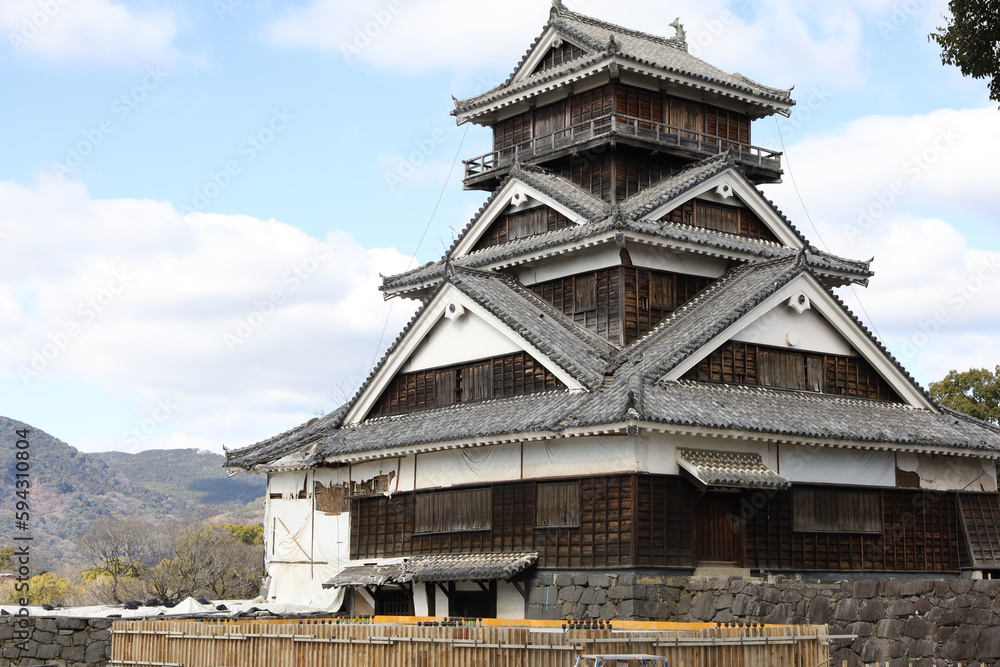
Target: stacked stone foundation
x=901 y=622
x=66 y=642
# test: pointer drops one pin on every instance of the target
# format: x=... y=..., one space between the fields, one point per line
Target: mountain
x=69 y=489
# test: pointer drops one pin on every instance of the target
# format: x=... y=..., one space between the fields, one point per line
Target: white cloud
x=783 y=42
x=917 y=193
x=106 y=31
x=242 y=325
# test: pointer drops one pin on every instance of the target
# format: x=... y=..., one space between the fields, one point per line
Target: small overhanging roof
x=441 y=567
x=611 y=47
x=366 y=575
x=737 y=470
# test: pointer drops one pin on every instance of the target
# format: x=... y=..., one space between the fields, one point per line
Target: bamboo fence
x=315 y=643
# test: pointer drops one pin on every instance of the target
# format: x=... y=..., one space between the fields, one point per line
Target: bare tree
x=118 y=549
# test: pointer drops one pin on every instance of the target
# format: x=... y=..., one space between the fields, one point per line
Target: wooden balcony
x=482 y=172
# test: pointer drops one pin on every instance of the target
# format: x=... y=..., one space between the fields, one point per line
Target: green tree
x=245 y=534
x=971 y=40
x=6 y=553
x=47 y=588
x=975 y=392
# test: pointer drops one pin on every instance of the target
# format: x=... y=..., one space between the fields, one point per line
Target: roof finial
x=557 y=7
x=681 y=36
x=613 y=45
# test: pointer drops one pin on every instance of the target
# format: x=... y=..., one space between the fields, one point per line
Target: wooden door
x=718 y=535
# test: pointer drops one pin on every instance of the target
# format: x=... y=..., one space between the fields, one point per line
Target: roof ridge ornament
x=557 y=8
x=613 y=46
x=681 y=34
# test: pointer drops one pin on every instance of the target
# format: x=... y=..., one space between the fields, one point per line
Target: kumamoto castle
x=629 y=363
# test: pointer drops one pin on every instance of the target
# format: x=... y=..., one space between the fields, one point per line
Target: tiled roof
x=366 y=575
x=482 y=421
x=635 y=392
x=581 y=352
x=562 y=190
x=467 y=567
x=739 y=470
x=630 y=46
x=810 y=415
x=442 y=567
x=628 y=219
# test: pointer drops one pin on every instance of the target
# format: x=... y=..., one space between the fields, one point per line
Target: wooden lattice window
x=454 y=511
x=557 y=505
x=836 y=511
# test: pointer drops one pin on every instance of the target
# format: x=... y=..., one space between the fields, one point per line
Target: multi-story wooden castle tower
x=628 y=359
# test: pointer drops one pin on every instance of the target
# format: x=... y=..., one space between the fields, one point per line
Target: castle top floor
x=586 y=83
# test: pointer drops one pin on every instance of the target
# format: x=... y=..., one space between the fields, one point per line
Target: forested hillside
x=71 y=488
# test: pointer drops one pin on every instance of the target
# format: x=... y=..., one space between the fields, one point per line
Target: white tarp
x=187 y=607
x=288 y=484
x=952 y=473
x=332 y=476
x=580 y=456
x=830 y=465
x=302 y=584
x=291 y=526
x=332 y=539
x=472 y=465
x=369 y=470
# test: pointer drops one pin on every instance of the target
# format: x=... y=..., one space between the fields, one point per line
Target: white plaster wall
x=468 y=338
x=470 y=465
x=405 y=481
x=510 y=604
x=953 y=473
x=833 y=465
x=658 y=451
x=609 y=254
x=663 y=259
x=364 y=605
x=588 y=259
x=810 y=329
x=419 y=600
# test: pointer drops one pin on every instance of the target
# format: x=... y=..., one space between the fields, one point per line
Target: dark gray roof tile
x=629 y=45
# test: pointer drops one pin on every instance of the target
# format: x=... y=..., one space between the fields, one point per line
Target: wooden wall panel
x=512 y=132
x=729 y=219
x=500 y=377
x=757 y=365
x=919 y=533
x=559 y=55
x=521 y=224
x=630 y=300
x=383 y=527
x=664 y=514
x=592 y=104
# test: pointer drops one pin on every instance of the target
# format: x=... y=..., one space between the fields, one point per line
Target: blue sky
x=197 y=197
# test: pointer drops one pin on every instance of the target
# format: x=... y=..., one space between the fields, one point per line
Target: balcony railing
x=624 y=126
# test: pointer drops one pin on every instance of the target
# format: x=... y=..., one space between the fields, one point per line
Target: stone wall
x=922 y=622
x=67 y=642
